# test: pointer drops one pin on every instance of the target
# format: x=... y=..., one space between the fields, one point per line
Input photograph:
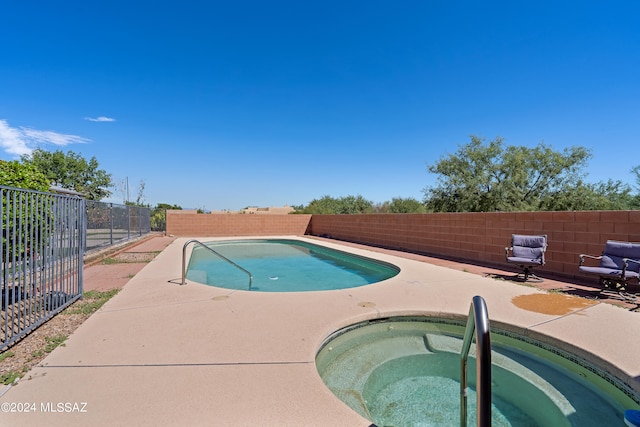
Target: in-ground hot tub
x=406 y=371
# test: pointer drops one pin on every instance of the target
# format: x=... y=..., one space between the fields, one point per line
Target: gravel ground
x=133 y=257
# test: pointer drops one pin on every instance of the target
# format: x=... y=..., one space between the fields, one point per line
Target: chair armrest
x=626 y=260
x=625 y=264
x=583 y=256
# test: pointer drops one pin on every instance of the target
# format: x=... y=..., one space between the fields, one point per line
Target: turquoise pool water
x=406 y=373
x=283 y=265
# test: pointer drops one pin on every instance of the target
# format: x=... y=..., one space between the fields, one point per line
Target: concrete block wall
x=471 y=237
x=192 y=224
x=482 y=237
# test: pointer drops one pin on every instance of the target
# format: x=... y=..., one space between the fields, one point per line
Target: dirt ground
x=31 y=350
x=554 y=303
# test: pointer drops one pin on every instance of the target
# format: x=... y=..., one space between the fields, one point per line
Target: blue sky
x=222 y=105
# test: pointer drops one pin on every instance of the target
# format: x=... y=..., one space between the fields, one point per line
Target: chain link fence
x=110 y=223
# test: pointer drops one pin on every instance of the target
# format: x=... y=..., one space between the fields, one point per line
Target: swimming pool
x=283 y=265
x=405 y=371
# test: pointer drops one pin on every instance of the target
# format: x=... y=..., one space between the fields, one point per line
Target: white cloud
x=100 y=119
x=11 y=140
x=21 y=141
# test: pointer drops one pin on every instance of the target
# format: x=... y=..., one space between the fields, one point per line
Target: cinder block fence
x=191 y=224
x=471 y=237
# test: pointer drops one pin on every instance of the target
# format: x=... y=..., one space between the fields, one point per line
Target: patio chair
x=618 y=265
x=527 y=252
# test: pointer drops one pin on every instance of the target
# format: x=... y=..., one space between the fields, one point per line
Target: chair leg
x=531 y=277
x=629 y=296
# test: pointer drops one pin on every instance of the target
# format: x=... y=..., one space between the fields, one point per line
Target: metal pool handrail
x=184 y=260
x=477 y=322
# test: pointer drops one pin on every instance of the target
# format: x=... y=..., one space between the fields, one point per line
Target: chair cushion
x=604 y=271
x=622 y=249
x=615 y=251
x=524 y=260
x=529 y=247
x=528 y=241
x=611 y=262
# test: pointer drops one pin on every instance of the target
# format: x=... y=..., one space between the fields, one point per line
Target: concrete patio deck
x=163 y=354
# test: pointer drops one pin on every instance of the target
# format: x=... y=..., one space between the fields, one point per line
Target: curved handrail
x=477 y=322
x=184 y=263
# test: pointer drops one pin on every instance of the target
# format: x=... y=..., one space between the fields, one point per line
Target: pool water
x=407 y=372
x=284 y=265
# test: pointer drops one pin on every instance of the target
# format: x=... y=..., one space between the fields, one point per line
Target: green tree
x=159 y=216
x=635 y=200
x=610 y=195
x=491 y=177
x=342 y=205
x=19 y=219
x=22 y=175
x=324 y=205
x=72 y=171
x=405 y=205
